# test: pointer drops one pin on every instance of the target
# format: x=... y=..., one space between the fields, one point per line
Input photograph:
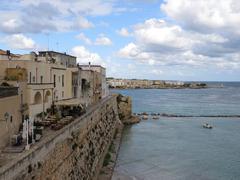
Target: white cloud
x=37 y=16
x=130 y=50
x=160 y=43
x=103 y=40
x=84 y=56
x=157 y=31
x=85 y=39
x=83 y=23
x=19 y=41
x=85 y=7
x=123 y=32
x=205 y=15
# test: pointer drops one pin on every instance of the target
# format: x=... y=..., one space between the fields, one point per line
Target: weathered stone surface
x=124 y=107
x=132 y=120
x=125 y=110
x=107 y=170
x=74 y=152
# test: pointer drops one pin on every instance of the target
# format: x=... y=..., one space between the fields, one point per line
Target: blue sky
x=150 y=39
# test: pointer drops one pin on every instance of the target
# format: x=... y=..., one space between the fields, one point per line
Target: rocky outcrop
x=125 y=110
x=132 y=120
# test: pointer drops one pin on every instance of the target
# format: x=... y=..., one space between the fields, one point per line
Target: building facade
x=10 y=114
x=49 y=77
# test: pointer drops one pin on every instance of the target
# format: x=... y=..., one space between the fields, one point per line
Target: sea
x=179 y=148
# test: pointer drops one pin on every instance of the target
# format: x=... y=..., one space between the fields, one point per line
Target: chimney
x=89 y=65
x=8 y=52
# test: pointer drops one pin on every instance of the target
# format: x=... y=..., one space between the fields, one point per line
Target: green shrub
x=107 y=159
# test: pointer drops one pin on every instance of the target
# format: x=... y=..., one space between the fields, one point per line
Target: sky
x=195 y=40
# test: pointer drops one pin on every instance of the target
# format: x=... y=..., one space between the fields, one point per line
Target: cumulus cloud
x=158 y=42
x=84 y=38
x=44 y=15
x=123 y=32
x=84 y=56
x=101 y=40
x=83 y=23
x=19 y=41
x=204 y=15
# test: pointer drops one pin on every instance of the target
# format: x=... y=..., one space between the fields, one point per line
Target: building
x=117 y=83
x=53 y=78
x=49 y=78
x=100 y=73
x=10 y=114
x=59 y=58
x=44 y=82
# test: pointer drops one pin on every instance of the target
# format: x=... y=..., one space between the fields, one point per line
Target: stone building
x=100 y=72
x=59 y=58
x=10 y=113
x=50 y=79
x=46 y=82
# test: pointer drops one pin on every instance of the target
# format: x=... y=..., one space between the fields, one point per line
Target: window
x=38 y=98
x=22 y=118
x=62 y=94
x=62 y=80
x=54 y=80
x=41 y=79
x=30 y=77
x=33 y=79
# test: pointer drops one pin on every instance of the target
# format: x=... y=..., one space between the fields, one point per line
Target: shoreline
x=129 y=88
x=109 y=164
x=108 y=168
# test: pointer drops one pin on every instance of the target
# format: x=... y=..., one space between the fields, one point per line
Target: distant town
x=152 y=84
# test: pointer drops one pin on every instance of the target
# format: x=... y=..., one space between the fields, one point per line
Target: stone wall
x=9 y=106
x=74 y=152
x=124 y=107
x=125 y=110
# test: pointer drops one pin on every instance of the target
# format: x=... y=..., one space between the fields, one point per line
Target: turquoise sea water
x=179 y=148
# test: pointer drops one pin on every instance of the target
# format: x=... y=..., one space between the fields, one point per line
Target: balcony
x=38 y=86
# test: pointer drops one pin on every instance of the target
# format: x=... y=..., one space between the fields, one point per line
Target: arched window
x=47 y=96
x=38 y=98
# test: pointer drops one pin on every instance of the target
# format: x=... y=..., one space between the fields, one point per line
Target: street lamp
x=6 y=116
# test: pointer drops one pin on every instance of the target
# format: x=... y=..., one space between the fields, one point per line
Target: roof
x=51 y=52
x=85 y=65
x=2 y=52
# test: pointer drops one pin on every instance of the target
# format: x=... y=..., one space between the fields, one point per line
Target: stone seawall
x=74 y=152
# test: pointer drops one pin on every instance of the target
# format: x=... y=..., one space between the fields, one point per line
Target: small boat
x=208 y=126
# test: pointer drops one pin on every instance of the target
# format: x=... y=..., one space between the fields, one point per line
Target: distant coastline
x=153 y=84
